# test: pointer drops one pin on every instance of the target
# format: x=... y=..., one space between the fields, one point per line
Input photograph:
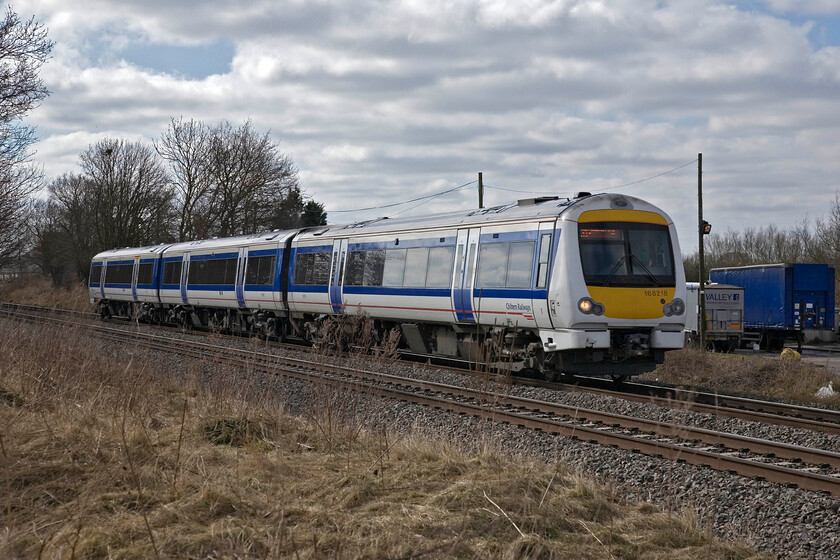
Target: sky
x=383 y=102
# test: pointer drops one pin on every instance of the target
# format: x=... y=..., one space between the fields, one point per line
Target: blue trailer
x=784 y=301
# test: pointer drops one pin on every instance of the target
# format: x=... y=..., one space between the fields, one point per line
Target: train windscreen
x=626 y=254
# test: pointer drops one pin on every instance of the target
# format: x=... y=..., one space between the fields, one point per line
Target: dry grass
x=37 y=290
x=758 y=375
x=106 y=456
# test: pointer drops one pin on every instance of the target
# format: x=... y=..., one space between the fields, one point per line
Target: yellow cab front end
x=623 y=303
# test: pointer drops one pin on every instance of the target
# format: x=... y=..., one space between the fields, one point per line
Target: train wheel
x=618 y=378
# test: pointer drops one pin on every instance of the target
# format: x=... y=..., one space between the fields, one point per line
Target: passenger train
x=588 y=285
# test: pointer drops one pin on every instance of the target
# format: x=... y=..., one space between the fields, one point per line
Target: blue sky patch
x=196 y=62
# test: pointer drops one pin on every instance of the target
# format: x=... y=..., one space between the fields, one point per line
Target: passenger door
x=134 y=269
x=241 y=263
x=337 y=274
x=466 y=252
x=545 y=251
x=185 y=269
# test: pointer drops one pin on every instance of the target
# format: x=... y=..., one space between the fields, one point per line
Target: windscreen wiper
x=648 y=273
x=614 y=270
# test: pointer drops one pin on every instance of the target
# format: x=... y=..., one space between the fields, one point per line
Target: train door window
x=172 y=272
x=416 y=261
x=260 y=271
x=468 y=280
x=394 y=270
x=145 y=273
x=440 y=267
x=492 y=264
x=542 y=266
x=520 y=265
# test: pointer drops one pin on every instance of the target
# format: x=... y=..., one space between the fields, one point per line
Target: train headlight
x=676 y=307
x=588 y=306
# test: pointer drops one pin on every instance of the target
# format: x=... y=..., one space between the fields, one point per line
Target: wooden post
x=701 y=291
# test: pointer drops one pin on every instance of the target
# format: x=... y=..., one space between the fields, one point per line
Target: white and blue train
x=592 y=284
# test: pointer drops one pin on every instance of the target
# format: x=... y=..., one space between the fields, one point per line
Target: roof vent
x=537 y=200
x=583 y=194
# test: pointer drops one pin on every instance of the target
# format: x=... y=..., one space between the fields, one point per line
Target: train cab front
x=624 y=304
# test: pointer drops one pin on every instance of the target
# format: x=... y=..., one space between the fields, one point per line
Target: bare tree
x=185 y=147
x=249 y=178
x=24 y=48
x=129 y=194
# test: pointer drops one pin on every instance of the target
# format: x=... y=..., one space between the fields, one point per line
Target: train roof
x=526 y=209
x=521 y=210
x=277 y=236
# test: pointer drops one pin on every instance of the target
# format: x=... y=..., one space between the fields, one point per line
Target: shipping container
x=724 y=315
x=784 y=301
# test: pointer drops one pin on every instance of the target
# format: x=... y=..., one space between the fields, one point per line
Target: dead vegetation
x=125 y=455
x=34 y=289
x=763 y=374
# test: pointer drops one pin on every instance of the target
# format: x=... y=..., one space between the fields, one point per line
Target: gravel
x=786 y=522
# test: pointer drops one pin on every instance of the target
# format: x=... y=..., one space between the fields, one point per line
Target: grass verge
x=789 y=379
x=123 y=455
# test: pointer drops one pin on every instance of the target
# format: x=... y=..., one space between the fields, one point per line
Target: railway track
x=753 y=410
x=806 y=468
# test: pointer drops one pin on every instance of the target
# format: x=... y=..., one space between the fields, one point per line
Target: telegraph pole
x=480 y=191
x=701 y=291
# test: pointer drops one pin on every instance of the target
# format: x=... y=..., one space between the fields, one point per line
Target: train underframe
x=498 y=348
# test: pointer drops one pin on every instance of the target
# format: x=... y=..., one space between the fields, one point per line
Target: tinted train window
x=492 y=262
x=505 y=265
x=365 y=268
x=626 y=254
x=312 y=269
x=394 y=271
x=440 y=267
x=118 y=273
x=95 y=273
x=172 y=272
x=260 y=270
x=416 y=261
x=145 y=273
x=520 y=265
x=212 y=272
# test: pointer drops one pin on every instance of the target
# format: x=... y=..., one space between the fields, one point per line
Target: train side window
x=374 y=264
x=520 y=265
x=440 y=267
x=394 y=270
x=415 y=267
x=321 y=268
x=355 y=268
x=260 y=271
x=172 y=272
x=119 y=273
x=145 y=273
x=212 y=272
x=492 y=265
x=312 y=269
x=95 y=274
x=304 y=268
x=542 y=267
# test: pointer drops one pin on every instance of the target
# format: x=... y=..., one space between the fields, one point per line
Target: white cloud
x=378 y=101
